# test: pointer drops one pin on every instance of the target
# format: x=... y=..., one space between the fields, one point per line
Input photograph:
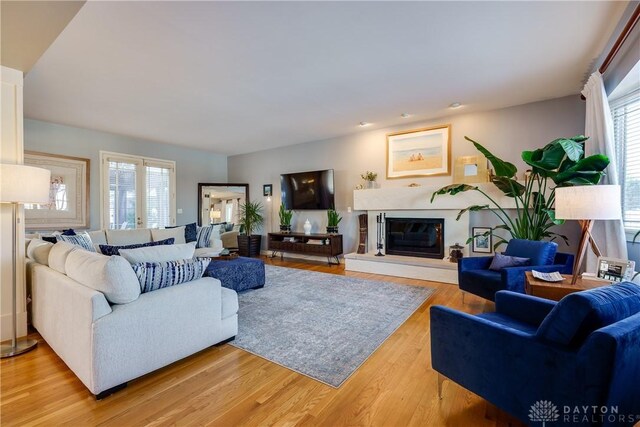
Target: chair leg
x=463 y=294
x=441 y=379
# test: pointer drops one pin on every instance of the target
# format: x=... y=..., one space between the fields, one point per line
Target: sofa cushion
x=98 y=237
x=113 y=276
x=579 y=314
x=503 y=261
x=204 y=235
x=81 y=240
x=58 y=256
x=540 y=253
x=190 y=232
x=229 y=302
x=38 y=250
x=128 y=237
x=177 y=234
x=157 y=275
x=161 y=253
x=115 y=250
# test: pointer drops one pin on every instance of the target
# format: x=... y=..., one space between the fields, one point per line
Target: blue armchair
x=582 y=352
x=475 y=277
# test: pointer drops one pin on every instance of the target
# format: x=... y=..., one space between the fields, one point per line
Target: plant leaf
x=552 y=216
x=473 y=208
x=501 y=167
x=587 y=170
x=510 y=187
x=573 y=149
x=452 y=190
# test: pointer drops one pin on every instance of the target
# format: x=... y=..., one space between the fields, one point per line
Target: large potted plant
x=560 y=163
x=285 y=219
x=250 y=220
x=333 y=219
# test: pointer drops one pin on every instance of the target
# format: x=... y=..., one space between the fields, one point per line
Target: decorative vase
x=285 y=228
x=371 y=184
x=307 y=227
x=249 y=246
x=332 y=229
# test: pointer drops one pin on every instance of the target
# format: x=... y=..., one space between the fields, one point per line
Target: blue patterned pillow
x=110 y=250
x=157 y=275
x=82 y=240
x=204 y=235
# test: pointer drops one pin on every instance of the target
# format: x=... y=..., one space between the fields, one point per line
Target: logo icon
x=543 y=411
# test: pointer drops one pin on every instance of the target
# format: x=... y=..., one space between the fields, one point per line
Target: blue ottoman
x=238 y=274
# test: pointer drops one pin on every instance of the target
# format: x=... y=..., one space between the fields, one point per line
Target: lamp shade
x=24 y=184
x=214 y=214
x=588 y=202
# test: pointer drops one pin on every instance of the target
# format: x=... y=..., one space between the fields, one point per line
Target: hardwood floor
x=225 y=386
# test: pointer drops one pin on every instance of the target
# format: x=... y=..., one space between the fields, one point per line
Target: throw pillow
x=228 y=227
x=203 y=236
x=176 y=233
x=190 y=232
x=69 y=232
x=157 y=275
x=110 y=250
x=82 y=240
x=503 y=261
x=38 y=250
x=162 y=253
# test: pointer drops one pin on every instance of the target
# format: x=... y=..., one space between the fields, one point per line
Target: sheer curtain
x=609 y=235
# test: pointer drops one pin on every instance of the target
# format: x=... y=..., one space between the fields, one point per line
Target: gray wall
x=507 y=132
x=192 y=166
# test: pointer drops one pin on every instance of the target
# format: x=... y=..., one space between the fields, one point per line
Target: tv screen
x=308 y=190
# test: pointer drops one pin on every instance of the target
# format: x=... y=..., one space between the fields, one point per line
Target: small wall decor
x=68 y=204
x=267 y=190
x=471 y=169
x=421 y=152
x=481 y=240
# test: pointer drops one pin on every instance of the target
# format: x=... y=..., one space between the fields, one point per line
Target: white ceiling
x=246 y=76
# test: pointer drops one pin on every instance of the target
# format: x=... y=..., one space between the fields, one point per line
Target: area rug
x=322 y=325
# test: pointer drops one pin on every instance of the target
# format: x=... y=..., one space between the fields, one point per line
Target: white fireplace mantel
x=419 y=198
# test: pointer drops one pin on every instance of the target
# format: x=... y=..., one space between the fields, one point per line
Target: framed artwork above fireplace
x=420 y=152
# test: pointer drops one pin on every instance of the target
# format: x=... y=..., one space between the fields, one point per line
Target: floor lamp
x=587 y=203
x=20 y=184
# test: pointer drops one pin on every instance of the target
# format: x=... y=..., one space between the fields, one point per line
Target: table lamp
x=214 y=215
x=20 y=184
x=587 y=203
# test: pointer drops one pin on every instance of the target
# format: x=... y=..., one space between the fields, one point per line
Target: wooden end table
x=556 y=290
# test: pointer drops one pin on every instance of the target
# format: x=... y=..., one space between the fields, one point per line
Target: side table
x=556 y=290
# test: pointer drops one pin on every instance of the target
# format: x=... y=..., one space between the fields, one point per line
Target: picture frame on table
x=68 y=205
x=482 y=243
x=419 y=153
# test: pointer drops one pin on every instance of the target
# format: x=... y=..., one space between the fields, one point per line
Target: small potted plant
x=333 y=219
x=285 y=219
x=370 y=178
x=250 y=219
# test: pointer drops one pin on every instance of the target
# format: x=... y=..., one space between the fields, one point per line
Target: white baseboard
x=7 y=329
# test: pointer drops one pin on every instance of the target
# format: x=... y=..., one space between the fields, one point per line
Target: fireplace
x=419 y=237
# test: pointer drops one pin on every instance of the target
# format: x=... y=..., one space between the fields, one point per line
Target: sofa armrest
x=513 y=277
x=230 y=239
x=63 y=312
x=526 y=308
x=474 y=263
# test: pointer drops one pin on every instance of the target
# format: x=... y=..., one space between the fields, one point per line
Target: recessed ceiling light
x=405 y=115
x=455 y=105
x=364 y=124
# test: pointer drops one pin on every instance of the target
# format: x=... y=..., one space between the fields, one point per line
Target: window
x=626 y=128
x=137 y=192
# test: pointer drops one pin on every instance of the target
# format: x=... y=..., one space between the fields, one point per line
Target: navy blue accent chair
x=475 y=277
x=581 y=351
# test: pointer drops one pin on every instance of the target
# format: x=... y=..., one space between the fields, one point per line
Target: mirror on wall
x=219 y=202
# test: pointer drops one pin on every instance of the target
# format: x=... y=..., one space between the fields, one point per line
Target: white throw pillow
x=167 y=233
x=38 y=250
x=128 y=237
x=58 y=255
x=161 y=253
x=113 y=276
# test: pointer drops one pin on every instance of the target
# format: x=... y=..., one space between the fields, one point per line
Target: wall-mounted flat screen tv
x=308 y=190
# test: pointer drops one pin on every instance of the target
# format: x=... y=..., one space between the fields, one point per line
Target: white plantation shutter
x=122 y=201
x=158 y=194
x=626 y=123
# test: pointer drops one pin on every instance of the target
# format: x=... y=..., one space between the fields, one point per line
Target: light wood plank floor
x=225 y=386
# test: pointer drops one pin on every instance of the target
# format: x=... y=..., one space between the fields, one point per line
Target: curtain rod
x=626 y=31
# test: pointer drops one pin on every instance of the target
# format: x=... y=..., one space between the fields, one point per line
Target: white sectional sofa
x=107 y=344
